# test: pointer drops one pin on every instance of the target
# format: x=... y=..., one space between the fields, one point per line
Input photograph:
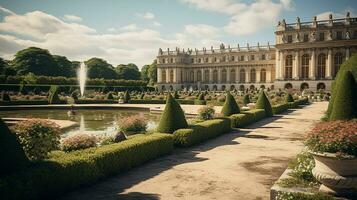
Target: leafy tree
x=99 y=68
x=5 y=68
x=35 y=60
x=53 y=96
x=230 y=106
x=172 y=118
x=145 y=73
x=152 y=73
x=65 y=67
x=128 y=72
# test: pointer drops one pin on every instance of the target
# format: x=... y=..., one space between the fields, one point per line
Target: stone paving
x=240 y=165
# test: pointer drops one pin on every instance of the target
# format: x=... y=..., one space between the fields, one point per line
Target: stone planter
x=338 y=175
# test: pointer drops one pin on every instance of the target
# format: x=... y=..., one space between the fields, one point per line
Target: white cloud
x=156 y=24
x=202 y=30
x=129 y=27
x=244 y=18
x=6 y=11
x=73 y=18
x=146 y=15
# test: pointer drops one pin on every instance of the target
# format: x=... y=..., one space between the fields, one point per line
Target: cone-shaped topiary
x=289 y=98
x=53 y=96
x=177 y=96
x=74 y=95
x=345 y=107
x=109 y=96
x=12 y=156
x=201 y=97
x=172 y=118
x=246 y=99
x=5 y=96
x=263 y=103
x=230 y=106
x=126 y=97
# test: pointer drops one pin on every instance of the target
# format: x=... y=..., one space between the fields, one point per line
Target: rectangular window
x=242 y=58
x=206 y=60
x=339 y=35
x=263 y=57
x=306 y=37
x=290 y=38
x=252 y=57
x=192 y=60
x=322 y=36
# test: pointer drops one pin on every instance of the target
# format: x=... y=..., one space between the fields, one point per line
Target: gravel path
x=239 y=165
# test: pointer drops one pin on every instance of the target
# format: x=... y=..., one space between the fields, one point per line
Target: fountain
x=82 y=76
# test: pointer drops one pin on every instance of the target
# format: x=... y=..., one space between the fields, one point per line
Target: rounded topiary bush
x=201 y=97
x=5 y=96
x=78 y=141
x=289 y=98
x=133 y=124
x=172 y=118
x=109 y=96
x=12 y=156
x=263 y=103
x=206 y=113
x=345 y=104
x=38 y=137
x=230 y=106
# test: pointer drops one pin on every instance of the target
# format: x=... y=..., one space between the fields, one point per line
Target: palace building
x=306 y=55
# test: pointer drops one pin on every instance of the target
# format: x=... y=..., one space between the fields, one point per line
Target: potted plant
x=333 y=145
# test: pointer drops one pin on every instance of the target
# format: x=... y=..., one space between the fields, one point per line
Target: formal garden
x=42 y=161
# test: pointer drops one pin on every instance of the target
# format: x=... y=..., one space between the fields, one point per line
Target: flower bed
x=66 y=171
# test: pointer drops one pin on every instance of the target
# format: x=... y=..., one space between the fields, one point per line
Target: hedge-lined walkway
x=239 y=165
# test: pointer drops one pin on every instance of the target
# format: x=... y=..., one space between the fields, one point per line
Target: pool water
x=93 y=121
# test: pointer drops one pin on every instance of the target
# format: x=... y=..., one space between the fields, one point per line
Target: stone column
x=175 y=75
x=203 y=75
x=312 y=73
x=347 y=53
x=228 y=78
x=168 y=76
x=257 y=76
x=237 y=74
x=195 y=75
x=159 y=75
x=282 y=65
x=268 y=75
x=329 y=64
x=296 y=66
x=247 y=75
x=220 y=75
x=210 y=75
x=277 y=64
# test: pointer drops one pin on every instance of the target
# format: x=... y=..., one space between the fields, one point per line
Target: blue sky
x=132 y=31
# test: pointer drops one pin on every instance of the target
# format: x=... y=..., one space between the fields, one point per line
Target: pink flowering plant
x=135 y=123
x=38 y=137
x=338 y=137
x=78 y=141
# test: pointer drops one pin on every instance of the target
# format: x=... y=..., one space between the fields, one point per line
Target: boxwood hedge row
x=67 y=171
x=200 y=132
x=247 y=117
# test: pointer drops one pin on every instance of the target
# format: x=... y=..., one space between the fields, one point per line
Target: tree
x=53 y=96
x=263 y=103
x=5 y=68
x=344 y=106
x=12 y=155
x=172 y=118
x=128 y=72
x=65 y=67
x=145 y=73
x=99 y=68
x=230 y=106
x=35 y=60
x=152 y=73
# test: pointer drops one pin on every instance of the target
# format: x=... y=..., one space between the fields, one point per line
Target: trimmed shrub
x=172 y=118
x=200 y=132
x=230 y=106
x=12 y=156
x=74 y=95
x=38 y=137
x=263 y=103
x=5 y=96
x=289 y=98
x=95 y=101
x=247 y=117
x=176 y=95
x=133 y=124
x=64 y=172
x=53 y=96
x=147 y=101
x=206 y=113
x=246 y=99
x=344 y=106
x=281 y=107
x=201 y=97
x=109 y=96
x=126 y=97
x=77 y=142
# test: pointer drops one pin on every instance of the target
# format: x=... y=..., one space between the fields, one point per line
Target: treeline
x=40 y=62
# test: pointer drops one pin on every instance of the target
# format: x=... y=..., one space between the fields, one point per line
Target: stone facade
x=306 y=55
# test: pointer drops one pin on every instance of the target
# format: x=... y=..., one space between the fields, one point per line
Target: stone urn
x=337 y=174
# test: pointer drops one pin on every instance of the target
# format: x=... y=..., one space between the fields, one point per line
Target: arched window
x=171 y=76
x=263 y=75
x=337 y=63
x=289 y=67
x=242 y=76
x=321 y=65
x=206 y=76
x=252 y=76
x=163 y=76
x=305 y=66
x=192 y=76
x=199 y=75
x=224 y=76
x=233 y=76
x=215 y=76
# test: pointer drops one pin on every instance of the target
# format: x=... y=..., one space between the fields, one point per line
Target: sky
x=132 y=31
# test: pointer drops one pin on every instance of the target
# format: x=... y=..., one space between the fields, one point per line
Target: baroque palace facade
x=306 y=55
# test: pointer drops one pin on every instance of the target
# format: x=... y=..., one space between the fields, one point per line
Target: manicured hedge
x=95 y=101
x=200 y=132
x=67 y=171
x=162 y=101
x=281 y=107
x=27 y=102
x=247 y=117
